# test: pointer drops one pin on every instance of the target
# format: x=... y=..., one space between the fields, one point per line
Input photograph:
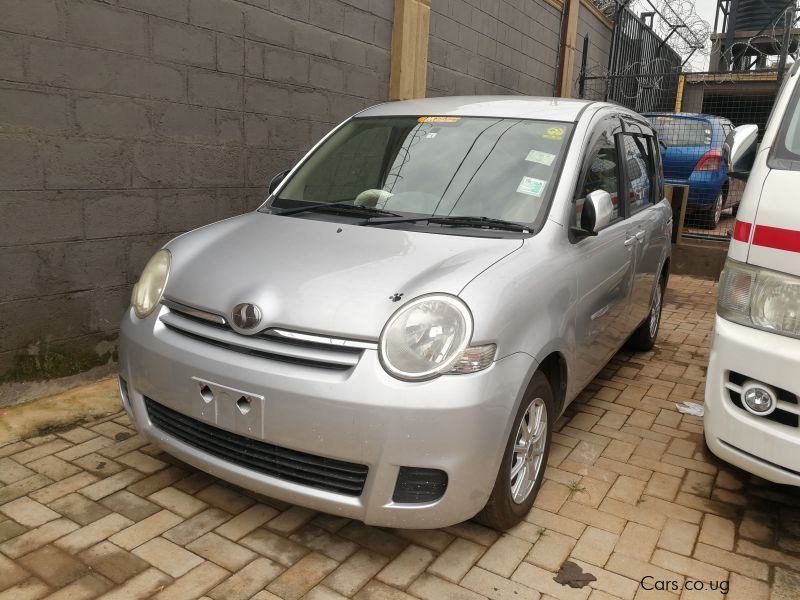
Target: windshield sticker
x=430 y=135
x=663 y=118
x=554 y=133
x=531 y=186
x=438 y=119
x=542 y=158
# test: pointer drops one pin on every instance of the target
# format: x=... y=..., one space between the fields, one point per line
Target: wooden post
x=568 y=49
x=409 y=49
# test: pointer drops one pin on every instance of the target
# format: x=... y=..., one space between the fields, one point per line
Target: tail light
x=710 y=161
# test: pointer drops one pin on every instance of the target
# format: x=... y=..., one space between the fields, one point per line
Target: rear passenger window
x=639 y=171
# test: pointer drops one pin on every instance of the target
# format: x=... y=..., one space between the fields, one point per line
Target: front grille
x=310 y=350
x=787 y=412
x=290 y=465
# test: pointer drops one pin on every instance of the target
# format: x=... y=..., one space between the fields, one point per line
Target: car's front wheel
x=644 y=338
x=709 y=218
x=525 y=458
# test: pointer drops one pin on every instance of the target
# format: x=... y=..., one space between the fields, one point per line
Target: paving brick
x=663 y=486
x=289 y=521
x=324 y=542
x=28 y=512
x=167 y=557
x=429 y=587
x=54 y=566
x=434 y=539
x=199 y=524
x=109 y=485
x=30 y=589
x=130 y=505
x=53 y=467
x=145 y=530
x=11 y=471
x=36 y=538
x=376 y=590
x=504 y=555
x=61 y=488
x=91 y=534
x=718 y=532
x=638 y=568
x=744 y=588
x=377 y=540
x=225 y=498
x=493 y=586
x=141 y=462
x=590 y=516
x=84 y=448
x=11 y=573
x=248 y=581
x=353 y=573
x=595 y=546
x=538 y=579
x=143 y=585
x=302 y=576
x=88 y=586
x=178 y=502
x=194 y=583
x=406 y=567
x=454 y=562
x=227 y=554
x=678 y=536
x=271 y=545
x=40 y=451
x=113 y=562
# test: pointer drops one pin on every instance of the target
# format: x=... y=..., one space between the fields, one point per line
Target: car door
x=641 y=193
x=603 y=263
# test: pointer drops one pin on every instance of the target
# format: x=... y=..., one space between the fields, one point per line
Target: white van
x=752 y=417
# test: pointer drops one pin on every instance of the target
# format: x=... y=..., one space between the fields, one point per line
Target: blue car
x=692 y=155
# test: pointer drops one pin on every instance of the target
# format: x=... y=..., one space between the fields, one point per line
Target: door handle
x=640 y=235
x=630 y=241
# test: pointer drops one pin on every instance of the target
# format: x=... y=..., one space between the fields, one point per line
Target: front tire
x=524 y=459
x=709 y=219
x=644 y=338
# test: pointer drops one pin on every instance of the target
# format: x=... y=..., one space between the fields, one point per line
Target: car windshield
x=682 y=131
x=435 y=165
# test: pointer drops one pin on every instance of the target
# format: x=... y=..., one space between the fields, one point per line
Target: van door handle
x=630 y=241
x=640 y=235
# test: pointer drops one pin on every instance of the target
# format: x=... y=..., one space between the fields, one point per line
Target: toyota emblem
x=246 y=317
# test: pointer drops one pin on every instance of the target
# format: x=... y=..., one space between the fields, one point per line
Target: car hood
x=321 y=276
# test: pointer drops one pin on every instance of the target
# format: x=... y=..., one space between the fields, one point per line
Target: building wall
x=126 y=122
x=599 y=35
x=496 y=47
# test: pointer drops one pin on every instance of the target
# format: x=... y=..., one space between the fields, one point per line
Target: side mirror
x=276 y=181
x=596 y=214
x=739 y=150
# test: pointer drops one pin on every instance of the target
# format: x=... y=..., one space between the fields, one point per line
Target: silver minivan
x=393 y=334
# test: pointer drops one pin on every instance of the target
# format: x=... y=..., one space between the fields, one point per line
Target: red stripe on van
x=775 y=237
x=741 y=231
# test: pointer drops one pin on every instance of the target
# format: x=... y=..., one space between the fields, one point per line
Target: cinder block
x=22 y=322
x=74 y=266
x=111 y=116
x=358 y=24
x=265 y=26
x=382 y=35
x=254 y=59
x=11 y=56
x=351 y=51
x=32 y=17
x=82 y=164
x=343 y=106
x=141 y=248
x=365 y=84
x=327 y=75
x=184 y=44
x=217 y=166
x=256 y=129
x=99 y=70
x=229 y=127
x=177 y=10
x=286 y=65
x=183 y=211
x=107 y=307
x=185 y=122
x=289 y=134
x=21 y=166
x=120 y=214
x=262 y=97
x=220 y=15
x=230 y=53
x=312 y=40
x=26 y=109
x=22 y=272
x=294 y=9
x=37 y=217
x=157 y=164
x=385 y=8
x=102 y=26
x=328 y=14
x=215 y=89
x=310 y=104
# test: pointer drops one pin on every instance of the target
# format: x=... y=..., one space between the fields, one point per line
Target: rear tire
x=709 y=219
x=524 y=458
x=644 y=338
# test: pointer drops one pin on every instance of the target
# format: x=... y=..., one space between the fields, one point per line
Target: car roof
x=686 y=115
x=511 y=107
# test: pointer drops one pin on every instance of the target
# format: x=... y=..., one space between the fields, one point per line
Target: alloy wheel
x=528 y=451
x=655 y=312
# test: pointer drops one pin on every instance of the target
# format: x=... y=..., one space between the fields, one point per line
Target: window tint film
x=638 y=170
x=507 y=168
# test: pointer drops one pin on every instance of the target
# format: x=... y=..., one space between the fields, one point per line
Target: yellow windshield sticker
x=438 y=119
x=663 y=118
x=539 y=157
x=554 y=133
x=531 y=186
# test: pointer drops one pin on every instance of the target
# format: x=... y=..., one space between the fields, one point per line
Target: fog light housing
x=759 y=398
x=416 y=485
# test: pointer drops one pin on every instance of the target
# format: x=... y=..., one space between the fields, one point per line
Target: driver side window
x=600 y=172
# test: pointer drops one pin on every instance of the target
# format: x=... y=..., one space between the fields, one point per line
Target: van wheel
x=644 y=338
x=525 y=458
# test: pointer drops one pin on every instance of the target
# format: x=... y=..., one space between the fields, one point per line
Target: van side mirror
x=596 y=214
x=276 y=181
x=739 y=151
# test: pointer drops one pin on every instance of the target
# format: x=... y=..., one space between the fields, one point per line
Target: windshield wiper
x=456 y=221
x=337 y=207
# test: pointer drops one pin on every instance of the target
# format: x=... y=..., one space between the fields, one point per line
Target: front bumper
x=763 y=447
x=458 y=423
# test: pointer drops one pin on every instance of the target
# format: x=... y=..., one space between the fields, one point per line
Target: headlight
x=426 y=337
x=148 y=290
x=760 y=298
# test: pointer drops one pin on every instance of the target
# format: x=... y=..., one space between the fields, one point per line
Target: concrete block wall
x=126 y=122
x=599 y=34
x=492 y=47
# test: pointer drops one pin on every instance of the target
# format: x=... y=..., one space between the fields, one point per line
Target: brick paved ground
x=630 y=493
